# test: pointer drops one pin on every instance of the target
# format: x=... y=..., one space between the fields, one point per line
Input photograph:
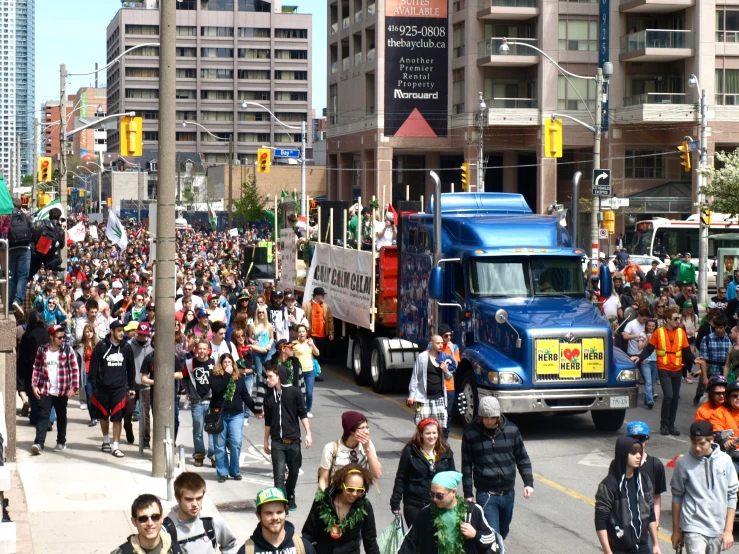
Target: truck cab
x=511 y=286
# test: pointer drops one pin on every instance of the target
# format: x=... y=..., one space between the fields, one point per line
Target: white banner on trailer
x=288 y=259
x=346 y=276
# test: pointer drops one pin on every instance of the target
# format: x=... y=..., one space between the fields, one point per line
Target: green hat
x=272 y=494
x=447 y=479
x=688 y=304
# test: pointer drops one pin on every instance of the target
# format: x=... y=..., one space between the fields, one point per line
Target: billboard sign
x=416 y=68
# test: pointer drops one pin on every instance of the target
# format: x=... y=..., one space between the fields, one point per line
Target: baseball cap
x=637 y=429
x=141 y=290
x=143 y=328
x=85 y=284
x=117 y=285
x=319 y=291
x=118 y=323
x=701 y=429
x=289 y=297
x=271 y=494
x=151 y=304
x=55 y=329
x=201 y=313
x=277 y=294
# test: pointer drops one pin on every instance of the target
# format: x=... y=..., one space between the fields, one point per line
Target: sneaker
x=222 y=478
x=689 y=380
x=674 y=432
x=147 y=444
x=246 y=423
x=60 y=447
x=83 y=406
x=134 y=418
x=650 y=405
x=696 y=399
x=664 y=430
x=37 y=449
x=656 y=396
x=129 y=435
x=291 y=505
x=25 y=409
x=93 y=423
x=17 y=310
x=310 y=414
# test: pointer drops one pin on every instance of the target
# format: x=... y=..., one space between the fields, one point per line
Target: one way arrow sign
x=601 y=182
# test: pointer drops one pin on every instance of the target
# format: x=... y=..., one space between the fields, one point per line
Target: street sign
x=282 y=153
x=603 y=234
x=614 y=203
x=694 y=145
x=601 y=182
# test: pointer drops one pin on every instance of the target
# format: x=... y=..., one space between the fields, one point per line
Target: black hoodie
x=614 y=511
x=112 y=366
x=261 y=546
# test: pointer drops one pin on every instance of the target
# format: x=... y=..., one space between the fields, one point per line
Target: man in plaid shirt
x=56 y=378
x=714 y=349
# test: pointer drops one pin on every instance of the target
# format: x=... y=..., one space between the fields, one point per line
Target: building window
x=291 y=75
x=458 y=40
x=216 y=73
x=150 y=115
x=186 y=52
x=291 y=33
x=254 y=6
x=219 y=137
x=216 y=116
x=151 y=135
x=216 y=31
x=254 y=74
x=187 y=5
x=458 y=5
x=284 y=96
x=644 y=164
x=217 y=52
x=727 y=26
x=217 y=5
x=186 y=116
x=142 y=29
x=183 y=31
x=254 y=137
x=295 y=117
x=458 y=91
x=142 y=72
x=258 y=95
x=727 y=87
x=186 y=73
x=144 y=50
x=254 y=116
x=182 y=94
x=216 y=95
x=142 y=93
x=254 y=53
x=182 y=136
x=578 y=34
x=254 y=32
x=570 y=95
x=287 y=137
x=291 y=54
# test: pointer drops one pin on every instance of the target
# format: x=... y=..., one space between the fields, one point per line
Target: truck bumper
x=563 y=400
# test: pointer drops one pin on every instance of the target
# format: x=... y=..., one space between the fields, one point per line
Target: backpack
x=46 y=243
x=297 y=541
x=333 y=460
x=19 y=233
x=210 y=532
x=127 y=548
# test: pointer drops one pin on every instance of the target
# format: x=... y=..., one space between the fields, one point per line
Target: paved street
x=78 y=501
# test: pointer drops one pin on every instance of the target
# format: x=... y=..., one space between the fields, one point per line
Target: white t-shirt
x=344 y=456
x=611 y=306
x=52 y=371
x=633 y=327
x=224 y=348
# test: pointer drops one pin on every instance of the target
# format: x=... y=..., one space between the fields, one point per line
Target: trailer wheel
x=608 y=420
x=383 y=380
x=469 y=392
x=361 y=359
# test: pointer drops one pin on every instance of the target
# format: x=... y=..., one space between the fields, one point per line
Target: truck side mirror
x=501 y=317
x=436 y=283
x=606 y=282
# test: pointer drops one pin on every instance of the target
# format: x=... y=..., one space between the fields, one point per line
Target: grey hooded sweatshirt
x=139 y=351
x=705 y=486
x=190 y=528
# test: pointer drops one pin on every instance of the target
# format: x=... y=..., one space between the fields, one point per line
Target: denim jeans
x=670 y=381
x=310 y=382
x=19 y=267
x=450 y=396
x=498 y=510
x=259 y=360
x=695 y=543
x=45 y=404
x=249 y=382
x=286 y=456
x=649 y=373
x=88 y=395
x=199 y=409
x=232 y=428
x=33 y=414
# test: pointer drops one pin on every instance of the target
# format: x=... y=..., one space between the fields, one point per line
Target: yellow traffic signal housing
x=685 y=156
x=465 y=167
x=264 y=156
x=132 y=136
x=109 y=202
x=43 y=199
x=44 y=169
x=553 y=138
x=706 y=215
x=609 y=221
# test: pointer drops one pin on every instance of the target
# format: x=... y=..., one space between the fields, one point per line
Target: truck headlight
x=626 y=375
x=504 y=378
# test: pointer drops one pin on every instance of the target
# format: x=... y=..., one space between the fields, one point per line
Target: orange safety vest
x=670 y=361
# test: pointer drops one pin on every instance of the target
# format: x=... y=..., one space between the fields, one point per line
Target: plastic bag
x=392 y=537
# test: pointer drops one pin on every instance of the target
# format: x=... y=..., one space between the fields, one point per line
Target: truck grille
x=569 y=360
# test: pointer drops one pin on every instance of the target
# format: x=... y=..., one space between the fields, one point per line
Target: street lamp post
x=303 y=196
x=703 y=162
x=601 y=73
x=480 y=137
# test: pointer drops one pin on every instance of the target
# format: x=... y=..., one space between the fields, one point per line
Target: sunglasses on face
x=354 y=490
x=438 y=495
x=154 y=517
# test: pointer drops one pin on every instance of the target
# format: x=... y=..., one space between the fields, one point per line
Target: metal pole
x=596 y=165
x=139 y=187
x=703 y=238
x=165 y=254
x=575 y=208
x=34 y=169
x=100 y=183
x=230 y=180
x=480 y=163
x=303 y=197
x=63 y=150
x=437 y=238
x=17 y=160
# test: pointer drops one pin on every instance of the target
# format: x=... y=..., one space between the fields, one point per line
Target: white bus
x=661 y=237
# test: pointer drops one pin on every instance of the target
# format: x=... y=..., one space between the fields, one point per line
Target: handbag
x=316 y=368
x=213 y=422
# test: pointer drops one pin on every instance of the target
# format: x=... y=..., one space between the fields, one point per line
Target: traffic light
x=44 y=169
x=706 y=215
x=553 y=138
x=24 y=202
x=43 y=199
x=109 y=202
x=685 y=156
x=609 y=221
x=263 y=160
x=82 y=193
x=132 y=136
x=465 y=167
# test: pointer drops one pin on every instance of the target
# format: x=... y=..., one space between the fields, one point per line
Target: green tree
x=723 y=183
x=250 y=206
x=187 y=195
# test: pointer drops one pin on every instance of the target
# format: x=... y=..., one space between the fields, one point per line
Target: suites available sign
x=416 y=68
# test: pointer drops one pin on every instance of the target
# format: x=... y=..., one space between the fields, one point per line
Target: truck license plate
x=619 y=402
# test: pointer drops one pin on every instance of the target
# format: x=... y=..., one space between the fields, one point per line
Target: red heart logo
x=575 y=353
x=568 y=354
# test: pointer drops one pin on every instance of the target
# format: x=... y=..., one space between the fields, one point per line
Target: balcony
x=346 y=22
x=507 y=9
x=358 y=16
x=346 y=63
x=656 y=45
x=513 y=111
x=334 y=67
x=334 y=28
x=656 y=98
x=370 y=54
x=488 y=54
x=370 y=10
x=654 y=6
x=357 y=59
x=668 y=107
x=727 y=43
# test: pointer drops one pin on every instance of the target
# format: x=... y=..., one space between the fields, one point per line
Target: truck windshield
x=532 y=276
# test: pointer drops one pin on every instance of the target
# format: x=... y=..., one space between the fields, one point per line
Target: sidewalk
x=79 y=500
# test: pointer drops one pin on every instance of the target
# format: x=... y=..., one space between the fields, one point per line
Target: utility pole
x=303 y=196
x=139 y=187
x=34 y=169
x=595 y=244
x=100 y=183
x=17 y=160
x=480 y=137
x=230 y=180
x=703 y=237
x=63 y=150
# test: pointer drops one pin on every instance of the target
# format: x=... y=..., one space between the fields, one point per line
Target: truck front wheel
x=469 y=399
x=608 y=420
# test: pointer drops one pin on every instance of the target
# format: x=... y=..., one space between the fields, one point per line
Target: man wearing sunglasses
x=146 y=516
x=714 y=410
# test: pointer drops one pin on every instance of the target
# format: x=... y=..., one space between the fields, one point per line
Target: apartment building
x=654 y=45
x=25 y=81
x=228 y=52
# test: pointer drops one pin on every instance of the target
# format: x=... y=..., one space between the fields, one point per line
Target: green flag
x=6 y=201
x=43 y=213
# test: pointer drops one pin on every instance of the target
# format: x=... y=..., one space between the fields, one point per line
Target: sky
x=74 y=32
